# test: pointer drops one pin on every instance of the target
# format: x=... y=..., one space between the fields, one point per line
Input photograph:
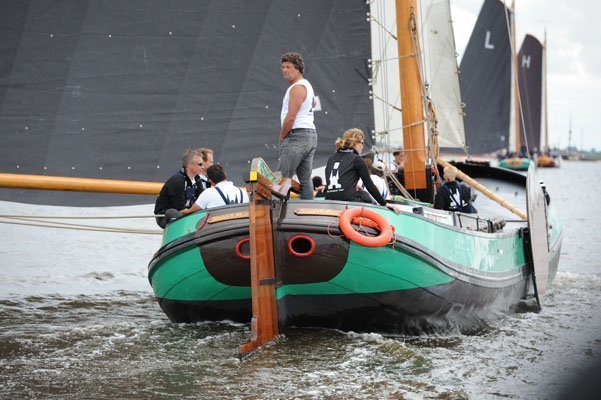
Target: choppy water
x=78 y=320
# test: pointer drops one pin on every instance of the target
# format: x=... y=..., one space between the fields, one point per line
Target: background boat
x=486 y=81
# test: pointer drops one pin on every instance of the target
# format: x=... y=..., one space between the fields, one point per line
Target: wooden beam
x=483 y=189
x=264 y=188
x=43 y=182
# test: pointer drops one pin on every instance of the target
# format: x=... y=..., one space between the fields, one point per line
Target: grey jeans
x=296 y=156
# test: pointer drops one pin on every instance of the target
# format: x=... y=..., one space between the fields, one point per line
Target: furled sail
x=120 y=89
x=442 y=73
x=530 y=73
x=486 y=80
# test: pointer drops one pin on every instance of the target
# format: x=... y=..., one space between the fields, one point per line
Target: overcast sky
x=574 y=58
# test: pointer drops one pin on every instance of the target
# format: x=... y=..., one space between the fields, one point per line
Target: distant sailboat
x=486 y=81
x=545 y=159
x=530 y=63
x=518 y=151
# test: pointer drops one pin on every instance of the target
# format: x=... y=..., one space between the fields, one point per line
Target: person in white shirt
x=376 y=175
x=397 y=164
x=222 y=192
x=298 y=137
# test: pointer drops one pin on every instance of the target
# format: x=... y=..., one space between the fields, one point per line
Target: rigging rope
x=42 y=222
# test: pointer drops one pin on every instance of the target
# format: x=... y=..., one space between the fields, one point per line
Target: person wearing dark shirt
x=346 y=166
x=178 y=195
x=207 y=161
x=318 y=187
x=453 y=196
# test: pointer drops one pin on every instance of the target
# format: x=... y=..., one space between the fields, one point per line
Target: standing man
x=298 y=138
x=207 y=161
x=178 y=195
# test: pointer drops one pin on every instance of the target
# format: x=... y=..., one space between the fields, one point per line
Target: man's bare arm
x=297 y=95
x=195 y=207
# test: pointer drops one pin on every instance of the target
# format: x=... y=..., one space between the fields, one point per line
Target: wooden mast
x=411 y=96
x=514 y=55
x=545 y=93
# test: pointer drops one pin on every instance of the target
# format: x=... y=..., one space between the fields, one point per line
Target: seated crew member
x=398 y=161
x=377 y=176
x=397 y=167
x=346 y=167
x=207 y=161
x=318 y=186
x=453 y=196
x=222 y=192
x=179 y=193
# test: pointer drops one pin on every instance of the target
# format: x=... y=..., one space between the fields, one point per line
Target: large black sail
x=485 y=81
x=530 y=79
x=119 y=89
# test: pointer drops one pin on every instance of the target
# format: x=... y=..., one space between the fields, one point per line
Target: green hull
x=516 y=164
x=434 y=271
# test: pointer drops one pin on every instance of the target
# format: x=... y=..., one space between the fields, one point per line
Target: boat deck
x=491 y=216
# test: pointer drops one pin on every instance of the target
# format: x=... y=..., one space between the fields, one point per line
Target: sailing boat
x=485 y=79
x=437 y=266
x=518 y=159
x=545 y=159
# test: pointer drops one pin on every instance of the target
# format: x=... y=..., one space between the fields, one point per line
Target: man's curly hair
x=295 y=59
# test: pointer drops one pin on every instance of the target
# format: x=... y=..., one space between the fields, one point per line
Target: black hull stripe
x=481 y=278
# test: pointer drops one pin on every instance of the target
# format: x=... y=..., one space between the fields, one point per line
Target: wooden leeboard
x=537 y=224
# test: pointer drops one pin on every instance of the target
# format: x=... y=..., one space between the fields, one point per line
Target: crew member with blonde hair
x=453 y=196
x=346 y=167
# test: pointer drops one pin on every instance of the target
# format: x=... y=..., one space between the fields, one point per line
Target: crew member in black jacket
x=346 y=166
x=178 y=195
x=453 y=196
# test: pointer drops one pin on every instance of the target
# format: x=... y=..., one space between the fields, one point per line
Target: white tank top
x=304 y=118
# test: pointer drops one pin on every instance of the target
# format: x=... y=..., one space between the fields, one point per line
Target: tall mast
x=545 y=93
x=570 y=135
x=516 y=97
x=411 y=95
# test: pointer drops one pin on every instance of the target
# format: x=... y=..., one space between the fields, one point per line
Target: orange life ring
x=345 y=219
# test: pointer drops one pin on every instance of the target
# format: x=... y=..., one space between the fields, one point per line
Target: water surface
x=78 y=320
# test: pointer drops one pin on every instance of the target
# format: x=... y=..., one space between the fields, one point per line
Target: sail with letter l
x=486 y=80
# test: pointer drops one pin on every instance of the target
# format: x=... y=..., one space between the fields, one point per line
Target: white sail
x=386 y=91
x=442 y=72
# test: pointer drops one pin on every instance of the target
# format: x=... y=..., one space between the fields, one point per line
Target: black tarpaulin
x=119 y=89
